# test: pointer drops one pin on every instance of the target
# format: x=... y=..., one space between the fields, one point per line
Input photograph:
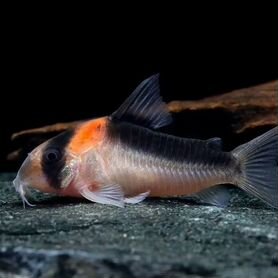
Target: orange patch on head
x=88 y=135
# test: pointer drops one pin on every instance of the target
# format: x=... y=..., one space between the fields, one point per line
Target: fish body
x=122 y=158
x=142 y=160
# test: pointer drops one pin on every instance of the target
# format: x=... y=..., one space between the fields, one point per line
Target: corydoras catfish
x=122 y=158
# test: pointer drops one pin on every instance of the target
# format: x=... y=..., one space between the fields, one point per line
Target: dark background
x=76 y=65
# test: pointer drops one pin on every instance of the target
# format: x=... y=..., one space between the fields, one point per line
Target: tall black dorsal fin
x=145 y=106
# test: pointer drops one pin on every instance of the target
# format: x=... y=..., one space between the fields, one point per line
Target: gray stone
x=64 y=237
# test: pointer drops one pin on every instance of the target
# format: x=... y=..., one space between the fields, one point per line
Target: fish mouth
x=22 y=189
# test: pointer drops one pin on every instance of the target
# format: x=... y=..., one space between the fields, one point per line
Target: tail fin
x=259 y=166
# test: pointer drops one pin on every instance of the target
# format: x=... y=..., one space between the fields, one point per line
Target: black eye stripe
x=56 y=149
x=52 y=155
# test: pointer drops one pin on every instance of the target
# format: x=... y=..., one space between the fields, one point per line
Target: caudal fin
x=259 y=165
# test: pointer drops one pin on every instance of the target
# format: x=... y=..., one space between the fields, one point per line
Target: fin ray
x=111 y=194
x=145 y=106
x=217 y=195
x=259 y=166
x=137 y=199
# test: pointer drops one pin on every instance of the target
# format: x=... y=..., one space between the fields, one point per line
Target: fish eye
x=52 y=155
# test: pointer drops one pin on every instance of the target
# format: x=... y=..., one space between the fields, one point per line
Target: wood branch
x=241 y=110
x=252 y=107
x=56 y=128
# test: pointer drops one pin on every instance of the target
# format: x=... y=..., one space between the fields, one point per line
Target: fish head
x=49 y=168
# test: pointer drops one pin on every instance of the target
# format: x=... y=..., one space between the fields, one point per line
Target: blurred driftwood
x=253 y=107
x=246 y=109
x=56 y=128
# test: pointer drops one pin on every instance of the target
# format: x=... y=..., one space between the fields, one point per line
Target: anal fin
x=217 y=195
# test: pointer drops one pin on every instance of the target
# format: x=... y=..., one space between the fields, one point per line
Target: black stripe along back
x=167 y=146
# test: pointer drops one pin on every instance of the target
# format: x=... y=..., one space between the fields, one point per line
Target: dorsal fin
x=145 y=106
